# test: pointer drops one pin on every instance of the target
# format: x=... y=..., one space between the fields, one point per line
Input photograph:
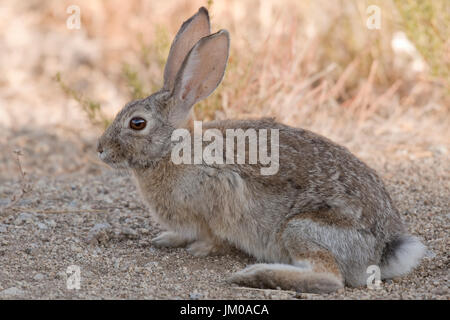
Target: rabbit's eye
x=138 y=123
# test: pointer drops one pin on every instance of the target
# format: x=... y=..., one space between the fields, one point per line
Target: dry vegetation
x=383 y=93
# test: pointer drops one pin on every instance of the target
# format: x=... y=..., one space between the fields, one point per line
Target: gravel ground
x=82 y=213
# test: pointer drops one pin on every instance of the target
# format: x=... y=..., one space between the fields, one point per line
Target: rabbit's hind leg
x=313 y=272
x=322 y=271
x=312 y=268
x=331 y=243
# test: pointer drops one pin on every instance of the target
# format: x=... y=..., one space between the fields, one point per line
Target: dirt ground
x=81 y=213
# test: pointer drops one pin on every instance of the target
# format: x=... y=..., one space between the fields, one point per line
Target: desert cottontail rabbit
x=315 y=225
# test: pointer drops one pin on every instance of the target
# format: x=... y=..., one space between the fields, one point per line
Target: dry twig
x=25 y=186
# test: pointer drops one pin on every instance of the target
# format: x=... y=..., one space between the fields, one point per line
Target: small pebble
x=99 y=233
x=3 y=228
x=39 y=277
x=23 y=218
x=51 y=223
x=129 y=233
x=42 y=226
x=11 y=292
x=195 y=296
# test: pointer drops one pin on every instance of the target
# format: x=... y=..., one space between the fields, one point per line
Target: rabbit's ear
x=201 y=73
x=189 y=34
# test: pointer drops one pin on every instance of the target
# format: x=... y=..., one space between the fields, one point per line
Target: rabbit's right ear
x=190 y=33
x=201 y=73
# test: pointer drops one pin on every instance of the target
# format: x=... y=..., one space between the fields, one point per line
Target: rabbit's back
x=315 y=173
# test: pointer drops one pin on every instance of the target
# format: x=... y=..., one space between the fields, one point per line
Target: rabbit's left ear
x=201 y=73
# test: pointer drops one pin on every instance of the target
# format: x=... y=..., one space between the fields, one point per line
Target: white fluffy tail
x=401 y=256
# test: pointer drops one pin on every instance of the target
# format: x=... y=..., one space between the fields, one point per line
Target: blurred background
x=307 y=63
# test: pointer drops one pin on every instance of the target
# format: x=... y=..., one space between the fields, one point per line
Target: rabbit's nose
x=99 y=148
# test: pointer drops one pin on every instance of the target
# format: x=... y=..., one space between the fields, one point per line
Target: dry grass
x=426 y=23
x=301 y=62
x=25 y=186
x=307 y=63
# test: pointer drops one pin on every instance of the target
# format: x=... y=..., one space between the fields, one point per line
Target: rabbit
x=314 y=226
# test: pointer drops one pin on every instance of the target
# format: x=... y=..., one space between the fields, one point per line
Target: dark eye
x=138 y=123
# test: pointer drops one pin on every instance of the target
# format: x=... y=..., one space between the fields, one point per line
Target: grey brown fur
x=315 y=225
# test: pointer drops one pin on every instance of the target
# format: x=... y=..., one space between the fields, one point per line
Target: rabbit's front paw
x=202 y=248
x=169 y=239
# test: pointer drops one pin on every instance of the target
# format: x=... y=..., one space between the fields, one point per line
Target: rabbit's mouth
x=104 y=156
